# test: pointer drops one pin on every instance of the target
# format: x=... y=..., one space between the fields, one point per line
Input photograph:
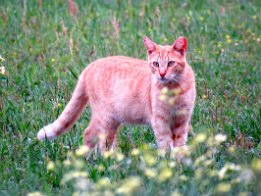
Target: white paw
x=46 y=132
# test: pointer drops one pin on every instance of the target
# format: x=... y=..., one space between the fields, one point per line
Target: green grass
x=44 y=49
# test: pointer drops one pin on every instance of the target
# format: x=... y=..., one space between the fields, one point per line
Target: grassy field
x=44 y=47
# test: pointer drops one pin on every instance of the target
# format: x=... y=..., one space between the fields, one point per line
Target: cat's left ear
x=181 y=45
x=150 y=45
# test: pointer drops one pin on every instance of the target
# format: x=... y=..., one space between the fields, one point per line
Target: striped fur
x=123 y=90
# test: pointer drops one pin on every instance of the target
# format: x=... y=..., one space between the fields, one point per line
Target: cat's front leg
x=179 y=136
x=163 y=134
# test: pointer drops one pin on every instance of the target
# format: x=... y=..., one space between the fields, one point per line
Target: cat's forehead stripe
x=163 y=52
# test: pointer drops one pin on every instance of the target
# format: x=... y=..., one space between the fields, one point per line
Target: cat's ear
x=150 y=45
x=181 y=45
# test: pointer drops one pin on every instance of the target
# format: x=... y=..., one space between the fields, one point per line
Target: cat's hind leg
x=101 y=132
x=91 y=134
x=107 y=136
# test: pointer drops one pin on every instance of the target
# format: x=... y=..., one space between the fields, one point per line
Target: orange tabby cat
x=124 y=90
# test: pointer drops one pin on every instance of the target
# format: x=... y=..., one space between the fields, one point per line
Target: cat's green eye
x=155 y=64
x=171 y=63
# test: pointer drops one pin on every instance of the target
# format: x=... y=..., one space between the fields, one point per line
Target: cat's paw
x=46 y=132
x=180 y=153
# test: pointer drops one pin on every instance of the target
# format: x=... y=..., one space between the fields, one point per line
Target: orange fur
x=124 y=90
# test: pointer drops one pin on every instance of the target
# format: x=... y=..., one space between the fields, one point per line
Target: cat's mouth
x=164 y=80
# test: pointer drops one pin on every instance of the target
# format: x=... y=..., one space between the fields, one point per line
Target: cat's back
x=117 y=71
x=118 y=64
x=115 y=83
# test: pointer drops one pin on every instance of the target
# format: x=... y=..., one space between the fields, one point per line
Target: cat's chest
x=169 y=105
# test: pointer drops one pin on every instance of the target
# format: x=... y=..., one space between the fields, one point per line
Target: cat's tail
x=69 y=115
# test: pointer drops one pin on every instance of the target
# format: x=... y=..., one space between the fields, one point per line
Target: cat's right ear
x=150 y=45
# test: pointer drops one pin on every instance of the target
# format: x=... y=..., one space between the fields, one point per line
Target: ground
x=44 y=46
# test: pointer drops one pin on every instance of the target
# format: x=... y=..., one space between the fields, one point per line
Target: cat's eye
x=171 y=63
x=155 y=64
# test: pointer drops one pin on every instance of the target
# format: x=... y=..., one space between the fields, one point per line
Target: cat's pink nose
x=162 y=74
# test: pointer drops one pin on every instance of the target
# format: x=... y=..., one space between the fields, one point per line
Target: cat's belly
x=132 y=117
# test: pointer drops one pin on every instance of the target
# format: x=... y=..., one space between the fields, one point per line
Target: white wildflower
x=1 y=58
x=219 y=138
x=36 y=193
x=2 y=70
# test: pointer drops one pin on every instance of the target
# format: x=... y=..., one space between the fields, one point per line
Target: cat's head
x=167 y=62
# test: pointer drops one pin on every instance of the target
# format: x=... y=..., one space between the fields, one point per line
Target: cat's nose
x=162 y=74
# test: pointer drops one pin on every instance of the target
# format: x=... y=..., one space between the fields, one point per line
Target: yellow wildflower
x=79 y=164
x=171 y=101
x=201 y=137
x=229 y=41
x=149 y=159
x=150 y=173
x=50 y=165
x=162 y=97
x=119 y=156
x=243 y=194
x=102 y=136
x=199 y=174
x=164 y=90
x=176 y=193
x=101 y=168
x=82 y=151
x=135 y=152
x=165 y=174
x=107 y=154
x=176 y=91
x=72 y=175
x=67 y=162
x=223 y=187
x=183 y=178
x=129 y=186
x=103 y=182
x=256 y=165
